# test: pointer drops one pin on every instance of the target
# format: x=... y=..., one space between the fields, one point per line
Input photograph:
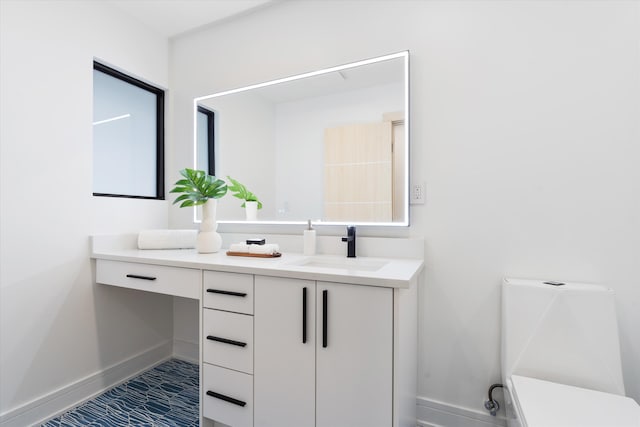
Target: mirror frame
x=404 y=55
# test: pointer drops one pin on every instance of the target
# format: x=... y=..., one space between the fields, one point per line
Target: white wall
x=525 y=127
x=56 y=326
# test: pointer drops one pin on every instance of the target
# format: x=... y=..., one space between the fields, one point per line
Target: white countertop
x=395 y=273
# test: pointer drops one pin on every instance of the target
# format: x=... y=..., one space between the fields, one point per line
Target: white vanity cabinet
x=289 y=342
x=323 y=354
x=227 y=348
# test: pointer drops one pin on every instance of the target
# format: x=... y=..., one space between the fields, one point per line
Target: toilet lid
x=547 y=404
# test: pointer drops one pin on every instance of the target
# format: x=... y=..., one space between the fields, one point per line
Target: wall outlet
x=417 y=194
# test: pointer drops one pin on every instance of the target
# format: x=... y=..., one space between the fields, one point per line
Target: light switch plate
x=417 y=194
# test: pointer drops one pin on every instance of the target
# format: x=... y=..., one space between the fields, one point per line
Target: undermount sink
x=353 y=264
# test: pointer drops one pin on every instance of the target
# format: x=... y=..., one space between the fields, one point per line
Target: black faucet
x=351 y=241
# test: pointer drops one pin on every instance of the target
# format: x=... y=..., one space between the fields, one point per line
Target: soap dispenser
x=309 y=237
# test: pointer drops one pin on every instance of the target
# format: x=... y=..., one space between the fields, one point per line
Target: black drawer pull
x=235 y=294
x=227 y=341
x=136 y=276
x=304 y=315
x=325 y=321
x=225 y=398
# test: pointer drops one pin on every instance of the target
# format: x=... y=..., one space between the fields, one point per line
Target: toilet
x=561 y=356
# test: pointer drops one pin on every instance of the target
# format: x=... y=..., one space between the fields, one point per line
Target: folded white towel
x=167 y=239
x=239 y=247
x=269 y=249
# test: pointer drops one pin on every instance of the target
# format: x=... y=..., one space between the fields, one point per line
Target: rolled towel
x=167 y=239
x=239 y=247
x=267 y=249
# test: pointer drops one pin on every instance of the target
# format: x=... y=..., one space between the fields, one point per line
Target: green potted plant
x=251 y=202
x=198 y=188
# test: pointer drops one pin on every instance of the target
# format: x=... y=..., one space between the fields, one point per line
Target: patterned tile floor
x=165 y=396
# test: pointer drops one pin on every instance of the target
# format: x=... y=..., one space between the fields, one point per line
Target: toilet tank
x=566 y=334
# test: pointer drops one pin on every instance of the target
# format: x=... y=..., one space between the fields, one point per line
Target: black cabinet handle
x=235 y=294
x=304 y=315
x=227 y=341
x=225 y=398
x=136 y=276
x=325 y=311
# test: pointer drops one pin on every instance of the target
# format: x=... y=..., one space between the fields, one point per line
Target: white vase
x=251 y=209
x=209 y=241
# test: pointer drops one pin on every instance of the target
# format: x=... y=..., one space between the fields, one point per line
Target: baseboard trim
x=58 y=401
x=185 y=350
x=432 y=413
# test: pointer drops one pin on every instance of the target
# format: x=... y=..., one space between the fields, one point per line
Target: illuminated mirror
x=329 y=145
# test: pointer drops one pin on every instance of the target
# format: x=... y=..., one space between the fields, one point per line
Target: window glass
x=205 y=156
x=128 y=136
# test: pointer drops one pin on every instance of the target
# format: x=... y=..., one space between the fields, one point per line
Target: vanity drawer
x=182 y=282
x=228 y=291
x=228 y=340
x=227 y=396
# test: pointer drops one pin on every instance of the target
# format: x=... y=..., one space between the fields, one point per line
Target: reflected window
x=205 y=156
x=128 y=136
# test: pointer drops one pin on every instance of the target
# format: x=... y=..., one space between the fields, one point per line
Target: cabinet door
x=354 y=352
x=284 y=358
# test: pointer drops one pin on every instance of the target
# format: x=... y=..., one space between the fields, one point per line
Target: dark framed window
x=205 y=141
x=128 y=136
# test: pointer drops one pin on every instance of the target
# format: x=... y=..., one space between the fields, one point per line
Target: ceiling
x=173 y=17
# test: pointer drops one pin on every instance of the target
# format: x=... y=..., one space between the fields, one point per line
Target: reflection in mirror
x=205 y=158
x=330 y=145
